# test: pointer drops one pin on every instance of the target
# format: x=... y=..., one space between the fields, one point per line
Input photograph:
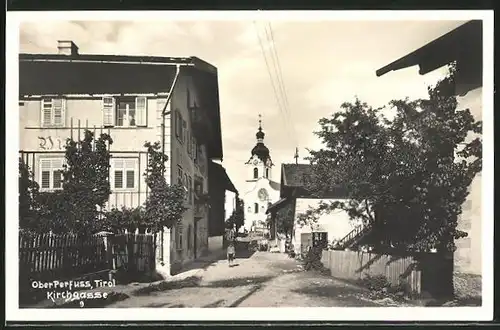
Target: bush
x=375 y=283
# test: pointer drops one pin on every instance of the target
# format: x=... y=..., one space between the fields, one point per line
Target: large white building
x=261 y=191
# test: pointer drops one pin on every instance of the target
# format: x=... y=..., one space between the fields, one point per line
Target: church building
x=261 y=190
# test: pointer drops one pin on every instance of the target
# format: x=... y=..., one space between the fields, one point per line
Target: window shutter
x=108 y=111
x=141 y=110
x=45 y=169
x=160 y=104
x=58 y=106
x=46 y=112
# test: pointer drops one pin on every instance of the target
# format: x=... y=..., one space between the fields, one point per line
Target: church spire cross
x=260 y=122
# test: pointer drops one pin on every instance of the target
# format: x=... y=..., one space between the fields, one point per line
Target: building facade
x=261 y=191
x=295 y=201
x=173 y=101
x=220 y=185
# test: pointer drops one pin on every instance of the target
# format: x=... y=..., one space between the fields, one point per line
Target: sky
x=323 y=64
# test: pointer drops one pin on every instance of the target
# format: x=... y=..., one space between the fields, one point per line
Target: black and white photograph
x=296 y=165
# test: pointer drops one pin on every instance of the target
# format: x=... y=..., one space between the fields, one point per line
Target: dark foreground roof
x=463 y=44
x=219 y=173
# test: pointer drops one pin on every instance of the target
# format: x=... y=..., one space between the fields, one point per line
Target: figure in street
x=230 y=254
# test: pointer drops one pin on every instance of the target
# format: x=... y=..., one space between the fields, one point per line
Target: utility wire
x=279 y=74
x=276 y=94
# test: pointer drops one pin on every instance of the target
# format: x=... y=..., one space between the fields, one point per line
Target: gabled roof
x=294 y=175
x=219 y=173
x=277 y=205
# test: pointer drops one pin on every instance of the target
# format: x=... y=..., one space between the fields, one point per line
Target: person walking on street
x=230 y=254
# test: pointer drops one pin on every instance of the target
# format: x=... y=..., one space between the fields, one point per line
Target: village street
x=262 y=279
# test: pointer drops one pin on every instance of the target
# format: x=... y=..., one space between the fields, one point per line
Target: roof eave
x=438 y=52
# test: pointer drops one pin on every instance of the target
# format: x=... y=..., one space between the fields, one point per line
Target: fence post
x=163 y=265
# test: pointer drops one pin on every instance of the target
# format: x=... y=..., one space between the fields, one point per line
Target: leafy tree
x=165 y=203
x=28 y=198
x=309 y=217
x=237 y=219
x=284 y=220
x=401 y=175
x=85 y=181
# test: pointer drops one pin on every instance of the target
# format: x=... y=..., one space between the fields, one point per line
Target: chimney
x=67 y=47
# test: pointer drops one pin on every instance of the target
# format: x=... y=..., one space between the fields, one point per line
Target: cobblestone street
x=262 y=279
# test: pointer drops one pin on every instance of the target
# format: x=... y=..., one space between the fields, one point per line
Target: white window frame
x=110 y=109
x=49 y=105
x=124 y=165
x=56 y=164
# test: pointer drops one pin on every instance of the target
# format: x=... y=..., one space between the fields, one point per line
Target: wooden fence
x=424 y=272
x=48 y=257
x=134 y=253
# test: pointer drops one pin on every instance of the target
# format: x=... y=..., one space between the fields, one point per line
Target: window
x=180 y=124
x=190 y=188
x=267 y=173
x=180 y=175
x=249 y=209
x=124 y=111
x=53 y=112
x=51 y=173
x=124 y=172
x=256 y=208
x=255 y=173
x=189 y=238
x=186 y=186
x=178 y=234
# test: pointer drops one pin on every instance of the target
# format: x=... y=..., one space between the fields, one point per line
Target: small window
x=249 y=209
x=53 y=112
x=255 y=172
x=51 y=173
x=124 y=111
x=179 y=236
x=256 y=208
x=180 y=175
x=267 y=173
x=189 y=238
x=124 y=173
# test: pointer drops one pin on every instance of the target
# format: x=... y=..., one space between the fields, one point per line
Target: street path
x=263 y=279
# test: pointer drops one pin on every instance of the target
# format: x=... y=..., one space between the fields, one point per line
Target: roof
x=277 y=205
x=463 y=44
x=275 y=185
x=294 y=175
x=220 y=173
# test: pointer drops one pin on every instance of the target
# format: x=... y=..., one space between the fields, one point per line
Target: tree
x=284 y=220
x=85 y=190
x=237 y=219
x=28 y=198
x=400 y=175
x=165 y=203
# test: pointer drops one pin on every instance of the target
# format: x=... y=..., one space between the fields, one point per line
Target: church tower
x=260 y=163
x=262 y=191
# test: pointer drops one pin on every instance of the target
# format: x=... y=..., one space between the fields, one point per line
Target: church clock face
x=255 y=162
x=263 y=195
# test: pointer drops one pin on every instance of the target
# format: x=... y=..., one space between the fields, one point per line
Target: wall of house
x=86 y=112
x=186 y=232
x=252 y=197
x=336 y=223
x=468 y=254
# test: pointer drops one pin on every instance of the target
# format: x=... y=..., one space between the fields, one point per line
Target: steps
x=353 y=237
